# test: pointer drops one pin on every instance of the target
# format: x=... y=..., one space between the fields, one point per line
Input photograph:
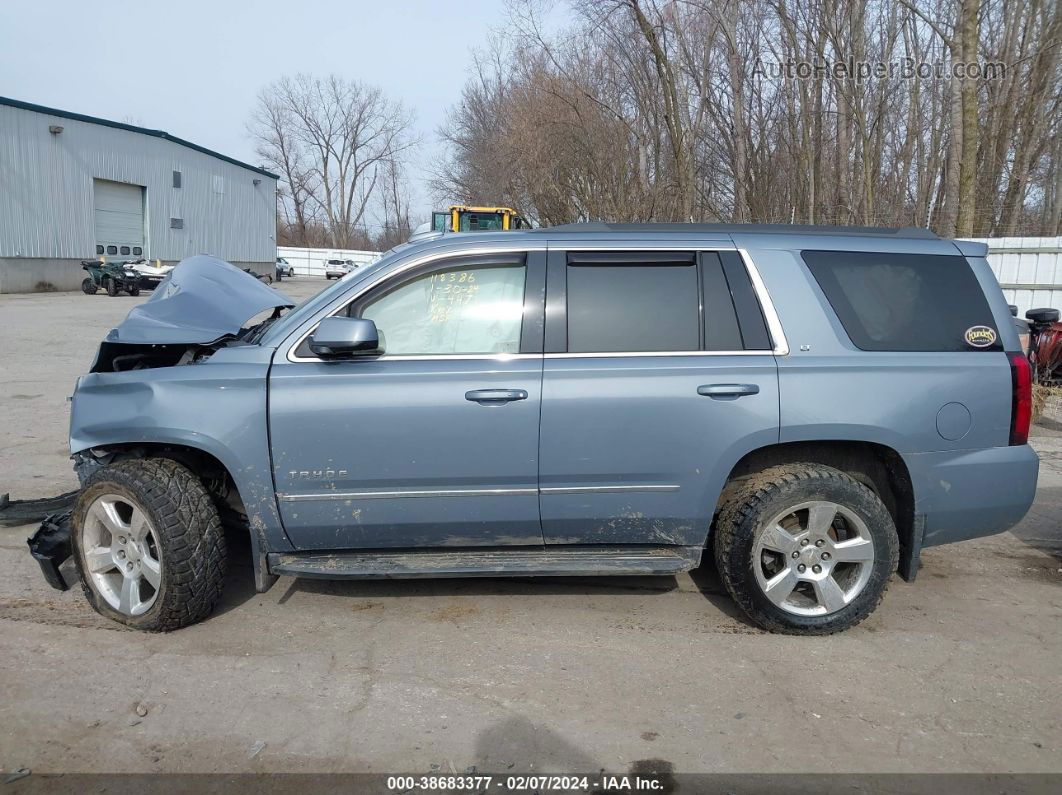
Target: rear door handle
x=727 y=391
x=486 y=397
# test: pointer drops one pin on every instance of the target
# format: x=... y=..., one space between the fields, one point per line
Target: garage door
x=119 y=216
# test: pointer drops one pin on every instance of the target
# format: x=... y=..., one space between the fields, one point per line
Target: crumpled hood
x=202 y=300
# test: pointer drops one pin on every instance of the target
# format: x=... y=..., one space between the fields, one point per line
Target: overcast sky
x=193 y=68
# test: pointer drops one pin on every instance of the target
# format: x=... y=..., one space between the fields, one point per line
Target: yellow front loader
x=460 y=218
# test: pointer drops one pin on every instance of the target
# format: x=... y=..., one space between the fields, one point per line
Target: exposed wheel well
x=876 y=466
x=214 y=475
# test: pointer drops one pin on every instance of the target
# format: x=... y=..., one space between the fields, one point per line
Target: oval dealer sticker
x=980 y=336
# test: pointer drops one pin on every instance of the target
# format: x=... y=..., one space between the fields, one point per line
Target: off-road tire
x=112 y=287
x=133 y=291
x=88 y=287
x=193 y=550
x=763 y=495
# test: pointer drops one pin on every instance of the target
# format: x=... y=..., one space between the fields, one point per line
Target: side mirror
x=342 y=337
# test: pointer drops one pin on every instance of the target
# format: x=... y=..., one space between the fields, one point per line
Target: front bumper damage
x=50 y=547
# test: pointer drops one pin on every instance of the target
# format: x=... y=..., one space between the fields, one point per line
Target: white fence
x=1029 y=270
x=311 y=261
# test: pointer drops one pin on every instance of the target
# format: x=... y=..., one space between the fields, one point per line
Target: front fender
x=218 y=407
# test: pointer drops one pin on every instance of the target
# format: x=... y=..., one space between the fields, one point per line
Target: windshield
x=479 y=222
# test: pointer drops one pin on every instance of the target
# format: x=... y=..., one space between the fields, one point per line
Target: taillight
x=1021 y=401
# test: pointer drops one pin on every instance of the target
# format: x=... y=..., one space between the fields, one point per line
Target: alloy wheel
x=122 y=554
x=814 y=558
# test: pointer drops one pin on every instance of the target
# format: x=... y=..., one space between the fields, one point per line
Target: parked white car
x=338 y=268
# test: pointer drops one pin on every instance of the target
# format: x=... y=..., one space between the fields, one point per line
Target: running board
x=550 y=562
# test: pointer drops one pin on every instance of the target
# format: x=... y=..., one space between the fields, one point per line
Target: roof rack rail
x=781 y=229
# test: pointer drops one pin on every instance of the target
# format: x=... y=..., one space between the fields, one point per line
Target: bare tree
x=395 y=225
x=331 y=140
x=658 y=110
x=273 y=127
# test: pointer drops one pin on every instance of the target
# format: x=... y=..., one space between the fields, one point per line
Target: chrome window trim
x=547 y=490
x=517 y=492
x=432 y=357
x=774 y=325
x=645 y=354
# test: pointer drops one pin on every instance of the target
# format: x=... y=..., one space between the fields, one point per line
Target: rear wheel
x=806 y=549
x=88 y=287
x=148 y=544
x=134 y=290
x=112 y=287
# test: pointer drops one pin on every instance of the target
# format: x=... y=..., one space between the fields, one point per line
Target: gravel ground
x=957 y=672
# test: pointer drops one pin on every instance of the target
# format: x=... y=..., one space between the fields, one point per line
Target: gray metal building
x=75 y=187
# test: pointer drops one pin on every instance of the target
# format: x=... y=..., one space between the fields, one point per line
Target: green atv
x=114 y=277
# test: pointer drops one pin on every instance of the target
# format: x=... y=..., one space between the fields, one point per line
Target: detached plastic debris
x=16 y=774
x=16 y=512
x=50 y=547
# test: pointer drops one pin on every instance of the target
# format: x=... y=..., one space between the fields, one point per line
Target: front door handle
x=727 y=391
x=487 y=397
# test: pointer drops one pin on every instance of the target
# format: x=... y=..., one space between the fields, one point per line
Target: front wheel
x=112 y=287
x=805 y=549
x=134 y=291
x=148 y=544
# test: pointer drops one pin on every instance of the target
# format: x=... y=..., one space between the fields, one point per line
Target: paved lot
x=959 y=672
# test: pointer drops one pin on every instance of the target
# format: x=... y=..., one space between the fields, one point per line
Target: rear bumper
x=972 y=493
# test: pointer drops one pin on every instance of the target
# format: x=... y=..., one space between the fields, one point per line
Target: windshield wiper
x=255 y=333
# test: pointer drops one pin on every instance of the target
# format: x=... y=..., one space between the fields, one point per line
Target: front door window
x=472 y=310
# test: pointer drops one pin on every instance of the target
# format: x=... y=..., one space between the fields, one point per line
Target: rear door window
x=639 y=302
x=905 y=302
x=655 y=301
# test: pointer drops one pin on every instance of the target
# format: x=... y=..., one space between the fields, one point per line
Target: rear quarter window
x=905 y=302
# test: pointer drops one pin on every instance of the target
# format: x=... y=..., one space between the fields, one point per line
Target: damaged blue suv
x=811 y=405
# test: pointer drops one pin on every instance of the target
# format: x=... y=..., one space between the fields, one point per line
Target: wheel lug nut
x=122 y=539
x=796 y=554
x=129 y=566
x=803 y=542
x=121 y=553
x=801 y=568
x=820 y=543
x=825 y=555
x=816 y=568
